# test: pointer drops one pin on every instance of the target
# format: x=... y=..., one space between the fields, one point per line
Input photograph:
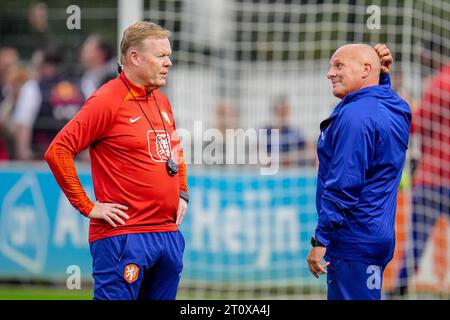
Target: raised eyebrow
x=336 y=62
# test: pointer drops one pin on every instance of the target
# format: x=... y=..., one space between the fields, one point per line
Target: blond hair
x=136 y=33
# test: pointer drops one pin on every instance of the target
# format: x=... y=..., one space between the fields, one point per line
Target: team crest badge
x=131 y=272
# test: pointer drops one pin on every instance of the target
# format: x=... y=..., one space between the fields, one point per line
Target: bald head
x=362 y=53
x=353 y=67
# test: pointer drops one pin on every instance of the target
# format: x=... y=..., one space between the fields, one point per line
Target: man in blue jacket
x=361 y=149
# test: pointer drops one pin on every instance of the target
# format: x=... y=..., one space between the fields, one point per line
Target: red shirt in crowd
x=432 y=122
x=128 y=162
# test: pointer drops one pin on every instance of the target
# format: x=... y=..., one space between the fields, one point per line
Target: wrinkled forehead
x=343 y=55
x=158 y=44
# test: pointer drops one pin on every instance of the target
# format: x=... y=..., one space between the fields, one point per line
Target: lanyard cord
x=149 y=122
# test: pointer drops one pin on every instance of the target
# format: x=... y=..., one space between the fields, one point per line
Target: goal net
x=234 y=62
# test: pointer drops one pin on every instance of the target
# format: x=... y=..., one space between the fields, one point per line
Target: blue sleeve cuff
x=322 y=237
x=331 y=218
x=385 y=79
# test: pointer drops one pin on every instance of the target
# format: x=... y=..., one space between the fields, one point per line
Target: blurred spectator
x=431 y=181
x=434 y=55
x=41 y=36
x=413 y=149
x=14 y=79
x=44 y=106
x=8 y=61
x=292 y=144
x=4 y=155
x=97 y=58
x=9 y=58
x=226 y=117
x=398 y=86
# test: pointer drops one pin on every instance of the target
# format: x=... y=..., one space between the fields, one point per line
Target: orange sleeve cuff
x=60 y=160
x=182 y=173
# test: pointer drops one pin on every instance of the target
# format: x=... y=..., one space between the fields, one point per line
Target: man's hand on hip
x=109 y=212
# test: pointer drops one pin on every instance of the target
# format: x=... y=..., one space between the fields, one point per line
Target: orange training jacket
x=128 y=161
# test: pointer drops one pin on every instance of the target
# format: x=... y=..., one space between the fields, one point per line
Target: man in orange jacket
x=138 y=173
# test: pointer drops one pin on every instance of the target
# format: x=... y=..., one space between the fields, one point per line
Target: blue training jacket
x=362 y=149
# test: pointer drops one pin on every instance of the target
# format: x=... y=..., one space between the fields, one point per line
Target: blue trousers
x=352 y=280
x=142 y=266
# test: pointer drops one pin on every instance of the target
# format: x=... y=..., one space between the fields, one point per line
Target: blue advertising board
x=240 y=226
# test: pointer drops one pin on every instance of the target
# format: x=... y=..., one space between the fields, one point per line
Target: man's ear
x=134 y=57
x=367 y=68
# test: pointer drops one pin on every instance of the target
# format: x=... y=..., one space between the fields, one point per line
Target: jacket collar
x=135 y=91
x=372 y=91
x=375 y=91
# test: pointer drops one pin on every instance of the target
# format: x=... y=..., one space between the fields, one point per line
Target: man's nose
x=331 y=74
x=168 y=63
